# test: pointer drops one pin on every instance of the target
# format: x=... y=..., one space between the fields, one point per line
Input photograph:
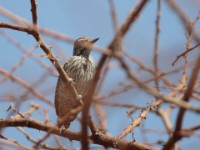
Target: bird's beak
x=94 y=40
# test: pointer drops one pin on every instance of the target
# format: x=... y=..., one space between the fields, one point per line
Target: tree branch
x=34 y=11
x=101 y=139
x=133 y=15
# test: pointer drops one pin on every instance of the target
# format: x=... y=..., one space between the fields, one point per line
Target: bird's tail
x=66 y=119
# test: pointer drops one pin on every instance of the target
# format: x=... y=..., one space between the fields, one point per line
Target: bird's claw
x=62 y=129
x=71 y=81
x=79 y=98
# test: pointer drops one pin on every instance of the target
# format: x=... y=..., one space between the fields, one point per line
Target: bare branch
x=133 y=15
x=34 y=11
x=102 y=139
x=14 y=27
x=184 y=53
x=155 y=58
x=136 y=122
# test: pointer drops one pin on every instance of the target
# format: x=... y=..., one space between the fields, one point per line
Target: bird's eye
x=83 y=41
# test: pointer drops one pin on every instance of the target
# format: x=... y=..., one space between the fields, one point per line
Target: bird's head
x=83 y=46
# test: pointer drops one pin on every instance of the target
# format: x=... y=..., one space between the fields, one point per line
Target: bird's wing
x=64 y=99
x=57 y=96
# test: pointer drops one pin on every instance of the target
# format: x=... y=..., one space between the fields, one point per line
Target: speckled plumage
x=80 y=68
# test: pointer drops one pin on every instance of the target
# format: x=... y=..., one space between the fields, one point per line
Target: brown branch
x=184 y=53
x=133 y=15
x=155 y=56
x=100 y=139
x=32 y=123
x=14 y=27
x=34 y=11
x=136 y=122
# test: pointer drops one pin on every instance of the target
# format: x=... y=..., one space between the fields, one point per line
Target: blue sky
x=92 y=18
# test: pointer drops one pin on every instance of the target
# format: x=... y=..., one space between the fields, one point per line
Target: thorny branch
x=157 y=83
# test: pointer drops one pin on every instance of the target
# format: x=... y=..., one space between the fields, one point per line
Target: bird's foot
x=71 y=81
x=79 y=98
x=62 y=129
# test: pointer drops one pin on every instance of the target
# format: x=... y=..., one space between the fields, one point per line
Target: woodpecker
x=80 y=67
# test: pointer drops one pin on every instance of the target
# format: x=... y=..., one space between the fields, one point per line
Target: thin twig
x=136 y=122
x=184 y=53
x=34 y=11
x=155 y=56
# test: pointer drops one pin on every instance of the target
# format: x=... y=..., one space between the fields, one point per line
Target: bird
x=80 y=68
